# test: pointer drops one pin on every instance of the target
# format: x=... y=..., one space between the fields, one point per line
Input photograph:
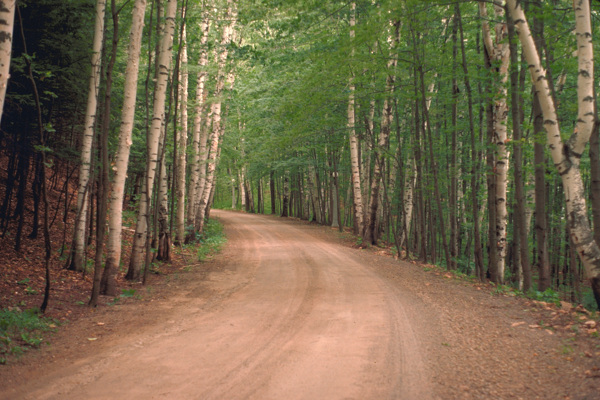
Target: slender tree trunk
x=333 y=182
x=354 y=144
x=182 y=142
x=434 y=167
x=88 y=136
x=216 y=117
x=7 y=22
x=421 y=231
x=453 y=201
x=198 y=141
x=241 y=179
x=163 y=71
x=369 y=236
x=566 y=155
x=477 y=248
x=520 y=226
x=106 y=282
x=541 y=219
x=272 y=192
x=164 y=234
x=408 y=201
x=113 y=249
x=286 y=195
x=499 y=54
x=44 y=189
x=102 y=196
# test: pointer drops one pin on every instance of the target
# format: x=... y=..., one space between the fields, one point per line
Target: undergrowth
x=21 y=330
x=211 y=240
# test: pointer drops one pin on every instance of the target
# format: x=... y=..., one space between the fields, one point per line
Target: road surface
x=291 y=313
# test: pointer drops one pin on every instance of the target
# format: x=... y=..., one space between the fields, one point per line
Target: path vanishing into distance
x=288 y=311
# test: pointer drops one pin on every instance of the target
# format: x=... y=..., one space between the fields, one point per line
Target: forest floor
x=294 y=310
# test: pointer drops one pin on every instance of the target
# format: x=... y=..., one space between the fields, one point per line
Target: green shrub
x=211 y=240
x=548 y=295
x=20 y=330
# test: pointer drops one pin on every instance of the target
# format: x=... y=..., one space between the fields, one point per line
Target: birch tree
x=115 y=220
x=182 y=141
x=369 y=234
x=199 y=135
x=354 y=145
x=88 y=136
x=566 y=155
x=498 y=51
x=163 y=71
x=216 y=117
x=7 y=21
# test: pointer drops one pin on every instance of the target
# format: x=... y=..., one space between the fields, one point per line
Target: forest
x=461 y=134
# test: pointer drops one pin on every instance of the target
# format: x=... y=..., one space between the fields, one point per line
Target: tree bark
x=182 y=141
x=164 y=234
x=226 y=37
x=541 y=219
x=113 y=247
x=198 y=140
x=7 y=22
x=163 y=71
x=477 y=249
x=520 y=226
x=88 y=136
x=354 y=145
x=499 y=53
x=567 y=155
x=369 y=234
x=107 y=282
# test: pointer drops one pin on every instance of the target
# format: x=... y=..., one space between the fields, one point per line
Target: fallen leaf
x=518 y=323
x=590 y=324
x=534 y=326
x=91 y=339
x=100 y=323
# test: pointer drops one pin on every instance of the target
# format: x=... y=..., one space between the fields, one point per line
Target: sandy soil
x=288 y=311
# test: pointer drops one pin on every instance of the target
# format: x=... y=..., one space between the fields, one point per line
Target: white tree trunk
x=164 y=235
x=354 y=158
x=408 y=201
x=113 y=246
x=370 y=234
x=199 y=109
x=7 y=22
x=182 y=141
x=204 y=140
x=233 y=191
x=241 y=182
x=88 y=136
x=216 y=118
x=499 y=52
x=311 y=179
x=160 y=91
x=567 y=155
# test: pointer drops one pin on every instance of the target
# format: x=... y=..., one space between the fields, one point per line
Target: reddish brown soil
x=290 y=310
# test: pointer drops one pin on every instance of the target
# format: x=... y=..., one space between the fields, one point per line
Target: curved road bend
x=290 y=316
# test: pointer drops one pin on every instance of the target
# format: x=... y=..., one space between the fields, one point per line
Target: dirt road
x=292 y=314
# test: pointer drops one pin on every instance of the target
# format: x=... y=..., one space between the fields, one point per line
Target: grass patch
x=548 y=296
x=125 y=293
x=21 y=330
x=211 y=240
